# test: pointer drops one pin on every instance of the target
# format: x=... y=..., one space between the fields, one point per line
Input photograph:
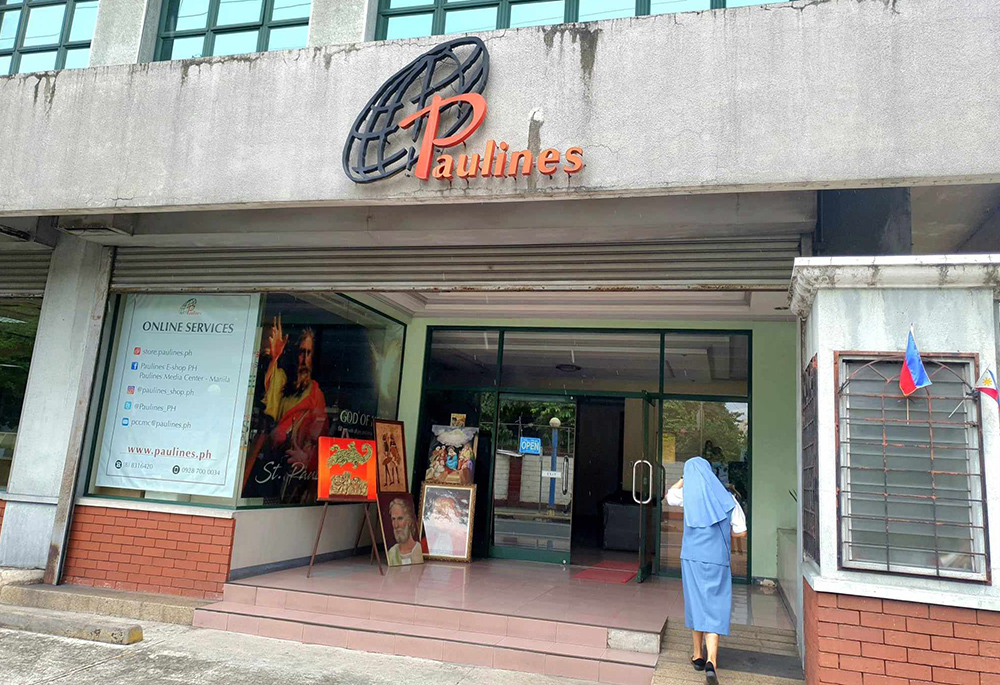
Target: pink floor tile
x=241 y=594
x=531 y=628
x=324 y=635
x=513 y=660
x=346 y=606
x=590 y=636
x=622 y=674
x=438 y=618
x=280 y=630
x=483 y=623
x=471 y=655
x=210 y=619
x=419 y=648
x=379 y=643
x=568 y=667
x=268 y=597
x=306 y=601
x=248 y=625
x=392 y=611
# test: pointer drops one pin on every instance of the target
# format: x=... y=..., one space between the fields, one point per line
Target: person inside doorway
x=711 y=515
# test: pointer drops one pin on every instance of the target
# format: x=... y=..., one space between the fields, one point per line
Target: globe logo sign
x=440 y=92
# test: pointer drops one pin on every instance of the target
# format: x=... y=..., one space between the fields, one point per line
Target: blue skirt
x=708 y=596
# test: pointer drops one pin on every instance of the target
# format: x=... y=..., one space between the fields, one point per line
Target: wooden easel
x=367 y=522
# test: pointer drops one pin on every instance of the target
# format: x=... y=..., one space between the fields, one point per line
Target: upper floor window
x=206 y=28
x=911 y=492
x=41 y=35
x=414 y=18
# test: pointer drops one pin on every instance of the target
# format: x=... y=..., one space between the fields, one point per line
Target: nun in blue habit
x=711 y=517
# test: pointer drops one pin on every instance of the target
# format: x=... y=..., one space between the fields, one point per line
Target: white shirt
x=675 y=498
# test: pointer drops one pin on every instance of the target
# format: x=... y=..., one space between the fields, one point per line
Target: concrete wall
x=268 y=539
x=50 y=435
x=773 y=413
x=875 y=316
x=805 y=95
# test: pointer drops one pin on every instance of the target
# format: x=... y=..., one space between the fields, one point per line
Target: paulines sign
x=434 y=103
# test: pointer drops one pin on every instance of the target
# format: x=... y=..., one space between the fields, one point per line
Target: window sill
x=161 y=507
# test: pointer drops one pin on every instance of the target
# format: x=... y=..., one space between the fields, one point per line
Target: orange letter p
x=433 y=114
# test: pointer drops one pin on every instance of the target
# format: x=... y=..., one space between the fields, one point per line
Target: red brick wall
x=2 y=505
x=862 y=641
x=143 y=551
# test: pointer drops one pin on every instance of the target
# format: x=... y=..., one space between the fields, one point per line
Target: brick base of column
x=862 y=641
x=141 y=551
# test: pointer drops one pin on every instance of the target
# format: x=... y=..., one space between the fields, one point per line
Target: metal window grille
x=415 y=18
x=42 y=35
x=810 y=462
x=206 y=28
x=911 y=493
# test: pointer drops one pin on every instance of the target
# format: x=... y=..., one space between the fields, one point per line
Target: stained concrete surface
x=172 y=654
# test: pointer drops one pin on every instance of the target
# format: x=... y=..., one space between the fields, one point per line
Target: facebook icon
x=125 y=421
x=135 y=365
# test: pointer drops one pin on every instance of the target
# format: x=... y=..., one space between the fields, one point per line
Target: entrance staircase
x=584 y=652
x=748 y=656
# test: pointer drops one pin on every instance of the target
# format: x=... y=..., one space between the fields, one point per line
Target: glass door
x=647 y=484
x=718 y=431
x=533 y=478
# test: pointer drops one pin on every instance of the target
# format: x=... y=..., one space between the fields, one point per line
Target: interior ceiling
x=536 y=356
x=944 y=218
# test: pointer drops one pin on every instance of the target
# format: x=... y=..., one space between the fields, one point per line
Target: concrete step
x=458 y=619
x=736 y=630
x=478 y=643
x=774 y=641
x=101 y=602
x=111 y=631
x=736 y=667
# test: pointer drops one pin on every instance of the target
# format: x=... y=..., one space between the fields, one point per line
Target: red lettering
x=430 y=138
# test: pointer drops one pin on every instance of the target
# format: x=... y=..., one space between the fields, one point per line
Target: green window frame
x=277 y=25
x=435 y=13
x=45 y=35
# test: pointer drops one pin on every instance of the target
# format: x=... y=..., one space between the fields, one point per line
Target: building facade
x=681 y=228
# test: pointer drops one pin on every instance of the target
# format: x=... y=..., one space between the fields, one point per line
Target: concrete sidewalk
x=175 y=655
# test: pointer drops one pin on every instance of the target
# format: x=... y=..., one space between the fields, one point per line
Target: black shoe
x=699 y=664
x=710 y=677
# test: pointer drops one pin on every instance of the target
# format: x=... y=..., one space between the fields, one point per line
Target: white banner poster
x=174 y=422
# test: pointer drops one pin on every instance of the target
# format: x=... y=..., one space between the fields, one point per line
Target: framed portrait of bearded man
x=399 y=529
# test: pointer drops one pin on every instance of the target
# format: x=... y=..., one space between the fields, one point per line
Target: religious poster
x=399 y=529
x=446 y=514
x=452 y=455
x=458 y=420
x=390 y=446
x=178 y=394
x=346 y=469
x=326 y=368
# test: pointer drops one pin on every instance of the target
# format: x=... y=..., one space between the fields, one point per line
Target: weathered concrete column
x=50 y=436
x=125 y=32
x=336 y=22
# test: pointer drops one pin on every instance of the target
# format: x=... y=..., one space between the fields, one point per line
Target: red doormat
x=609 y=572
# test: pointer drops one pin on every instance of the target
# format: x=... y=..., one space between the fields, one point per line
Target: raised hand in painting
x=276 y=342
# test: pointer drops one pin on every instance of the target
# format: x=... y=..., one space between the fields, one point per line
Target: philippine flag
x=913 y=376
x=987 y=385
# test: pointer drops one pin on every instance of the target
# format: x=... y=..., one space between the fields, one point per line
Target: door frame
x=501 y=552
x=496 y=389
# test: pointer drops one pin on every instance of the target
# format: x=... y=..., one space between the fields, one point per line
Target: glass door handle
x=663 y=482
x=649 y=498
x=565 y=475
x=635 y=479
